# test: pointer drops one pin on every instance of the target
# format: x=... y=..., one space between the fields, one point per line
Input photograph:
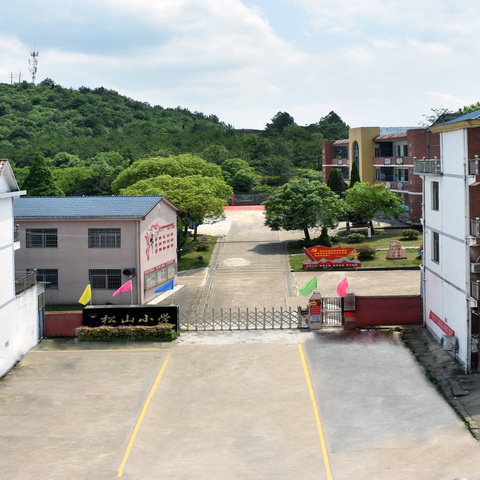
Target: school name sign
x=326 y=257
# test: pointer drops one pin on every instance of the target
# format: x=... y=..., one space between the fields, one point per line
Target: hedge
x=163 y=332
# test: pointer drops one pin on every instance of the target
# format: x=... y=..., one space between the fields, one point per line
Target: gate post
x=349 y=312
x=315 y=311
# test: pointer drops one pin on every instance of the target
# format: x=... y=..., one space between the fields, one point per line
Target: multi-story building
x=20 y=318
x=102 y=241
x=451 y=251
x=384 y=155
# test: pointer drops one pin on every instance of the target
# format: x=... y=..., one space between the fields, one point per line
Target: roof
x=338 y=143
x=7 y=173
x=461 y=121
x=86 y=207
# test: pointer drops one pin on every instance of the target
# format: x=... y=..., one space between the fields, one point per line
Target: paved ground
x=238 y=405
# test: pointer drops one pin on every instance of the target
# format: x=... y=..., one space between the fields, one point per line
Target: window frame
x=41 y=238
x=104 y=238
x=435 y=196
x=105 y=278
x=436 y=247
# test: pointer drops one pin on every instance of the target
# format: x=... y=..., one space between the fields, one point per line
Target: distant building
x=451 y=248
x=21 y=319
x=104 y=241
x=384 y=155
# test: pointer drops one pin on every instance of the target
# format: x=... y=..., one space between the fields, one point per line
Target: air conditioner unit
x=449 y=342
x=399 y=186
x=474 y=166
x=476 y=290
x=388 y=185
x=475 y=268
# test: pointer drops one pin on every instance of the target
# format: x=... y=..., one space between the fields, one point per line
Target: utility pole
x=33 y=65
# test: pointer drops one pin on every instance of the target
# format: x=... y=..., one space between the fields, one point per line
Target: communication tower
x=33 y=65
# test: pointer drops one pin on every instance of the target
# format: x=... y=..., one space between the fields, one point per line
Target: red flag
x=126 y=287
x=342 y=287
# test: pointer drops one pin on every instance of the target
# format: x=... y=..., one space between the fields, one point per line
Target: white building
x=20 y=319
x=451 y=254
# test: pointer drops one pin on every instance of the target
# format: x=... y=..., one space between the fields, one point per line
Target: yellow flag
x=86 y=296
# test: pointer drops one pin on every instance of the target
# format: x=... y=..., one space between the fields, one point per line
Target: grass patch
x=381 y=240
x=197 y=254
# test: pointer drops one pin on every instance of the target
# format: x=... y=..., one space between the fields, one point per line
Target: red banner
x=326 y=257
x=440 y=323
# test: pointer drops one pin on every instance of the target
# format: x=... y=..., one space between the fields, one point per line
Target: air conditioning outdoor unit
x=476 y=290
x=475 y=227
x=475 y=268
x=474 y=166
x=449 y=342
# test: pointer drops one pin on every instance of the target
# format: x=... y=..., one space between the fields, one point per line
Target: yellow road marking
x=103 y=350
x=142 y=415
x=317 y=415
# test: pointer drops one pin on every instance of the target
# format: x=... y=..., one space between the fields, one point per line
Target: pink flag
x=342 y=287
x=126 y=287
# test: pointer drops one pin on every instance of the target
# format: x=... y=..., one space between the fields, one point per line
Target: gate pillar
x=349 y=312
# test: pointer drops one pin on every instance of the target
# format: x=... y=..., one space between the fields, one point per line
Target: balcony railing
x=24 y=280
x=427 y=166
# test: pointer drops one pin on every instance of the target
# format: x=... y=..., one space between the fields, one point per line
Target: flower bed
x=158 y=333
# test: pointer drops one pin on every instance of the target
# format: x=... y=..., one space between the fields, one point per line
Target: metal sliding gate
x=332 y=311
x=243 y=319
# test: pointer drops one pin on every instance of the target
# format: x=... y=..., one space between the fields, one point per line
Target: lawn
x=197 y=254
x=381 y=241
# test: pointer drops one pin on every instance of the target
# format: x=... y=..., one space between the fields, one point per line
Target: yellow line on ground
x=142 y=415
x=103 y=350
x=317 y=415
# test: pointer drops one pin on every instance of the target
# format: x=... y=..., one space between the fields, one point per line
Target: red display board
x=326 y=257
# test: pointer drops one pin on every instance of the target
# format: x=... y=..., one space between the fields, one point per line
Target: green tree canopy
x=279 y=123
x=365 y=200
x=39 y=181
x=354 y=175
x=302 y=204
x=239 y=175
x=199 y=198
x=178 y=166
x=336 y=182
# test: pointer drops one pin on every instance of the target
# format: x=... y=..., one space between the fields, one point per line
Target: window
x=104 y=279
x=401 y=174
x=104 y=238
x=405 y=150
x=48 y=276
x=436 y=247
x=41 y=238
x=435 y=196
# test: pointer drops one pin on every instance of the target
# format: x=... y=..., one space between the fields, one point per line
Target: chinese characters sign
x=159 y=238
x=325 y=257
x=131 y=315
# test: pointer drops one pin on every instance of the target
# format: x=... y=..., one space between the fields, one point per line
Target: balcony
x=427 y=166
x=24 y=280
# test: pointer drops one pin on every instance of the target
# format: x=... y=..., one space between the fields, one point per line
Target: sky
x=374 y=62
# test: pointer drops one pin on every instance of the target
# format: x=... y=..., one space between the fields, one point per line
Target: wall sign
x=325 y=257
x=131 y=315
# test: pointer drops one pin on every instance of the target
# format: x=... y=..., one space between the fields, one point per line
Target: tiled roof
x=475 y=115
x=84 y=207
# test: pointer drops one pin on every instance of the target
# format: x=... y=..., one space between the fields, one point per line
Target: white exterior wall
x=446 y=282
x=18 y=314
x=18 y=328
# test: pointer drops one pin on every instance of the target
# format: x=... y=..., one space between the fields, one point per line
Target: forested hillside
x=88 y=136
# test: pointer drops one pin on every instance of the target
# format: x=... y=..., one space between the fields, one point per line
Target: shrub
x=163 y=332
x=365 y=251
x=410 y=234
x=356 y=238
x=202 y=247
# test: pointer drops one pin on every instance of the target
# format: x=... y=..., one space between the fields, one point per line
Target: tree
x=280 y=122
x=239 y=175
x=336 y=182
x=39 y=181
x=215 y=154
x=199 y=198
x=302 y=204
x=332 y=127
x=354 y=175
x=364 y=201
x=178 y=166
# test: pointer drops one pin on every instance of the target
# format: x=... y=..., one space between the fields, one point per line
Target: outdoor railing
x=24 y=280
x=428 y=166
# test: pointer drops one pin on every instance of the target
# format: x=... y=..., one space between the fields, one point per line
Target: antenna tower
x=33 y=65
